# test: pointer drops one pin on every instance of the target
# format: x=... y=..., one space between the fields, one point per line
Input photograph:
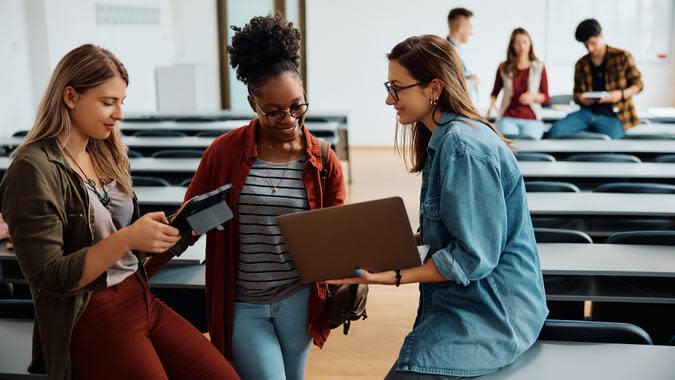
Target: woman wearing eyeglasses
x=482 y=301
x=260 y=314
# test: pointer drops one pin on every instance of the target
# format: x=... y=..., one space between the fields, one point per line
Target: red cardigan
x=228 y=160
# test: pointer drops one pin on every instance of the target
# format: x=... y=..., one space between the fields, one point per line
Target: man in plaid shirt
x=608 y=69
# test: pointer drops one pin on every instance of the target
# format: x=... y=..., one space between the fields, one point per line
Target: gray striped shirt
x=266 y=273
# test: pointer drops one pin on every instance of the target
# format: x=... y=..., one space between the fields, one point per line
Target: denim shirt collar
x=441 y=130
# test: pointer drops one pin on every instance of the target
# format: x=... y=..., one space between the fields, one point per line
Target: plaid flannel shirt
x=621 y=73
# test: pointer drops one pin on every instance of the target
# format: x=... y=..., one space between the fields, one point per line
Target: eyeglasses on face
x=394 y=90
x=276 y=116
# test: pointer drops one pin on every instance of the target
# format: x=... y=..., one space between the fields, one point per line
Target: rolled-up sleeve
x=30 y=207
x=473 y=209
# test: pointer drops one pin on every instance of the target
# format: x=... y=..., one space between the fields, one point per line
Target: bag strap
x=325 y=152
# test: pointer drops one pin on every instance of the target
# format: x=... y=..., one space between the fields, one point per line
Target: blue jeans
x=521 y=128
x=271 y=341
x=586 y=120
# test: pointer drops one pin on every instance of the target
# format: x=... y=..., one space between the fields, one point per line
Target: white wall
x=16 y=101
x=347 y=42
x=35 y=34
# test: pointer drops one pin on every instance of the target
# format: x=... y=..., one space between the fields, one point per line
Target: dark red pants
x=127 y=333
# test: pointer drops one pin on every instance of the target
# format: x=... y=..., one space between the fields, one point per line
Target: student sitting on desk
x=259 y=312
x=523 y=78
x=78 y=237
x=482 y=301
x=603 y=69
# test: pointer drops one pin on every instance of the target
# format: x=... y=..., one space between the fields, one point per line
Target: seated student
x=523 y=78
x=604 y=68
x=482 y=301
x=79 y=239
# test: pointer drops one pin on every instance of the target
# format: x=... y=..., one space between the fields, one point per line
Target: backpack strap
x=325 y=152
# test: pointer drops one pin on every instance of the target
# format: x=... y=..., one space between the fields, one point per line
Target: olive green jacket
x=46 y=207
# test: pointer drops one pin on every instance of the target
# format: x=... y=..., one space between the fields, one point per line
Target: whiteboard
x=642 y=27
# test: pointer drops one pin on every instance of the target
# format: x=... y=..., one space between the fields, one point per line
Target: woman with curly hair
x=260 y=314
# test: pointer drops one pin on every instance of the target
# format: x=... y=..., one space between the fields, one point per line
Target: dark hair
x=587 y=29
x=427 y=58
x=510 y=66
x=265 y=47
x=456 y=13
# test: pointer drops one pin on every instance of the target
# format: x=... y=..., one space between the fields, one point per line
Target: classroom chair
x=550 y=187
x=645 y=136
x=582 y=136
x=532 y=156
x=656 y=319
x=149 y=181
x=603 y=157
x=635 y=187
x=159 y=133
x=134 y=154
x=559 y=235
x=214 y=133
x=178 y=153
x=642 y=237
x=593 y=332
x=665 y=158
x=17 y=308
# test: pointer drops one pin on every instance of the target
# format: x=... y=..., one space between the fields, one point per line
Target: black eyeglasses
x=296 y=111
x=394 y=90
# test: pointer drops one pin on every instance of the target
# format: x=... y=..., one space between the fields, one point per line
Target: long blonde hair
x=430 y=57
x=83 y=68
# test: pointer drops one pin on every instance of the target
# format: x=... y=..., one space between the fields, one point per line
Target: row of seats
x=592 y=157
x=559 y=235
x=613 y=187
x=598 y=136
x=169 y=153
x=155 y=133
x=151 y=181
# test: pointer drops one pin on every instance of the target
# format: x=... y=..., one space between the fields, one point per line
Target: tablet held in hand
x=204 y=212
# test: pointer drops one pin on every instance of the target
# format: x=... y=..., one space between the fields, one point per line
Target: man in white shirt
x=460 y=29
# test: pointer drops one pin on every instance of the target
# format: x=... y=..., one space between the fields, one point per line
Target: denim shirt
x=474 y=215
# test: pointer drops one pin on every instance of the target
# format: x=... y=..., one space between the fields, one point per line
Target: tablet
x=204 y=212
x=329 y=243
x=595 y=94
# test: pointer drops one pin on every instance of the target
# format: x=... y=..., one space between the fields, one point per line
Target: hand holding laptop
x=330 y=243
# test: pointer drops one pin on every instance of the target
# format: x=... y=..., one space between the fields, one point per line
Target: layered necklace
x=103 y=196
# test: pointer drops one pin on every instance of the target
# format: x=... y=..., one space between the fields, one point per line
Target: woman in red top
x=260 y=314
x=523 y=78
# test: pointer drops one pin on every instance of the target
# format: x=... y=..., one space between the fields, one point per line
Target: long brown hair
x=510 y=66
x=430 y=57
x=83 y=68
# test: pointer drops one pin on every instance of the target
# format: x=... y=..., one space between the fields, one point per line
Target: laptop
x=330 y=243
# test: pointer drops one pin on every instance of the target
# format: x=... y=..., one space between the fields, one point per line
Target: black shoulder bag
x=345 y=303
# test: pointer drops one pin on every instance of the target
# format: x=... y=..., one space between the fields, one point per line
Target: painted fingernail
x=358 y=272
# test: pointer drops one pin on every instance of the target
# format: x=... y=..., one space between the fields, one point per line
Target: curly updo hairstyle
x=265 y=47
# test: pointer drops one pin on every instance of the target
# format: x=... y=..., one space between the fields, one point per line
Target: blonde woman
x=75 y=225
